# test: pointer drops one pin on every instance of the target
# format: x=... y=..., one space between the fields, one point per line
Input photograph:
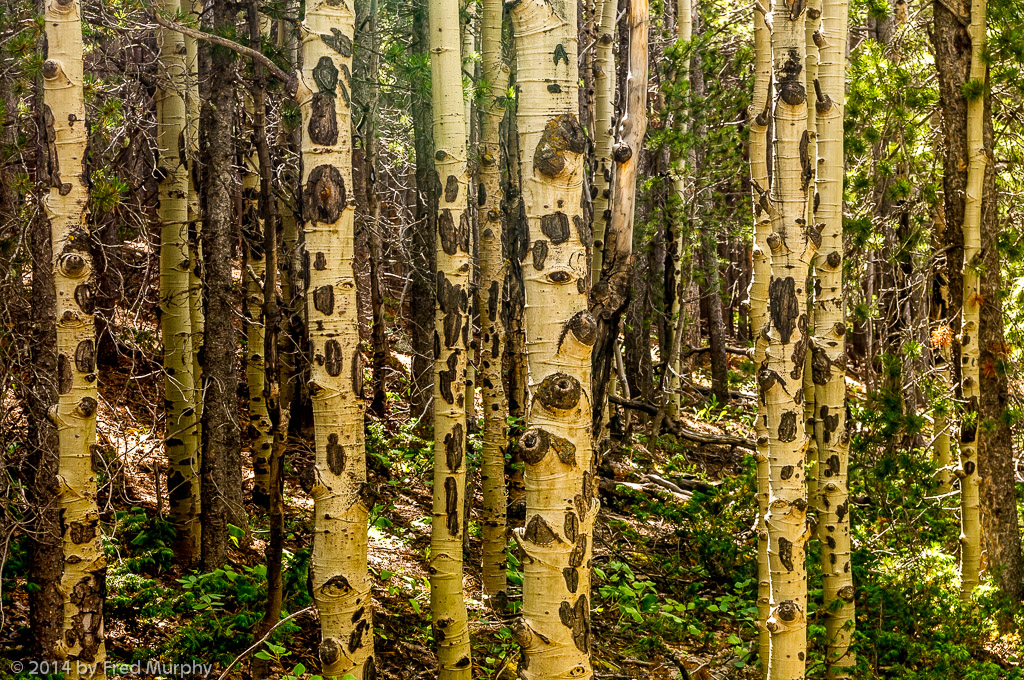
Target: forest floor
x=674 y=591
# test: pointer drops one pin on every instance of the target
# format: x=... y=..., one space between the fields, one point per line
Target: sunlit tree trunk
x=970 y=432
x=780 y=376
x=175 y=319
x=340 y=579
x=604 y=127
x=554 y=630
x=828 y=357
x=195 y=278
x=491 y=305
x=74 y=415
x=757 y=297
x=452 y=325
x=812 y=34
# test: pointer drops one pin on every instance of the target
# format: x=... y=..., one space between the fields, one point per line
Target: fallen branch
x=674 y=428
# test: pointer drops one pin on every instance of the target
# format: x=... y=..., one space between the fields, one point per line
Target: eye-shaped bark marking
x=787 y=427
x=338 y=41
x=969 y=467
x=583 y=326
x=337 y=583
x=335 y=454
x=559 y=391
x=453 y=447
x=81 y=532
x=786 y=472
x=447 y=377
x=325 y=194
x=834 y=259
x=451 y=505
x=784 y=307
x=320 y=262
x=788 y=610
x=791 y=84
x=451 y=189
x=85 y=356
x=539 y=532
x=540 y=254
x=323 y=119
x=446 y=232
x=325 y=75
x=821 y=366
x=786 y=553
x=572 y=579
x=86 y=407
x=65 y=375
x=555 y=227
x=332 y=358
x=84 y=298
x=562 y=134
x=559 y=276
x=323 y=300
x=535 y=443
x=578 y=620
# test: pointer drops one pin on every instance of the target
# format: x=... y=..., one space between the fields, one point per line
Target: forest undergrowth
x=675 y=581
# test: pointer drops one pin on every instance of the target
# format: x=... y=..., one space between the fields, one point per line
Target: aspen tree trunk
x=554 y=630
x=828 y=356
x=757 y=296
x=74 y=415
x=195 y=271
x=970 y=432
x=453 y=322
x=792 y=245
x=604 y=128
x=340 y=579
x=812 y=36
x=684 y=33
x=490 y=302
x=611 y=294
x=261 y=438
x=175 y=320
x=999 y=525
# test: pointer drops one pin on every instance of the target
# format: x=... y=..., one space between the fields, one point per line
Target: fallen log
x=672 y=427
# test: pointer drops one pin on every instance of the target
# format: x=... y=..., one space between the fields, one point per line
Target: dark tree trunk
x=220 y=468
x=45 y=547
x=711 y=288
x=421 y=287
x=1000 y=529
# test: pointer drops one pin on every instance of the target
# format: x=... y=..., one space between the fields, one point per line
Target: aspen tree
x=261 y=437
x=684 y=34
x=780 y=375
x=490 y=303
x=338 y=567
x=453 y=321
x=74 y=414
x=757 y=297
x=604 y=128
x=812 y=36
x=554 y=629
x=195 y=279
x=828 y=356
x=970 y=500
x=175 y=267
